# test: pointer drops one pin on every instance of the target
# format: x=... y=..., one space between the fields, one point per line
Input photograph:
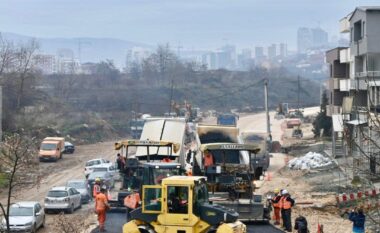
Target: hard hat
x=284 y=192
x=97 y=179
x=276 y=190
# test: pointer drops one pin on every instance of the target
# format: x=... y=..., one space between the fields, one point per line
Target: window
x=363 y=28
x=71 y=191
x=152 y=202
x=358 y=30
x=178 y=199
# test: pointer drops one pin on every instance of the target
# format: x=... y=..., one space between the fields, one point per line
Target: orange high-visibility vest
x=132 y=200
x=100 y=201
x=209 y=160
x=96 y=190
x=285 y=204
x=276 y=204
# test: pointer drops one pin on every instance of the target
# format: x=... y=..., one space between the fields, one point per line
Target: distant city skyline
x=198 y=24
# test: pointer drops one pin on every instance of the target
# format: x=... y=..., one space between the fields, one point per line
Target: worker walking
x=276 y=206
x=96 y=188
x=286 y=204
x=357 y=217
x=101 y=207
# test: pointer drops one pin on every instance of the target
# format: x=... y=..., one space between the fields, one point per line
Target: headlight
x=29 y=224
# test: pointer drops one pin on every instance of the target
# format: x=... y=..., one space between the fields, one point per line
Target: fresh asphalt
x=115 y=221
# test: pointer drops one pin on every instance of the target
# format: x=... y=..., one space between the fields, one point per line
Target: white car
x=106 y=168
x=63 y=198
x=95 y=162
x=25 y=217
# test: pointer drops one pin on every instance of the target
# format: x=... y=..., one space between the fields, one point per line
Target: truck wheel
x=60 y=156
x=146 y=229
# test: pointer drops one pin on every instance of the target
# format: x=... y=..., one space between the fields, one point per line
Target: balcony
x=368 y=74
x=350 y=84
x=333 y=110
x=344 y=25
x=333 y=84
x=345 y=55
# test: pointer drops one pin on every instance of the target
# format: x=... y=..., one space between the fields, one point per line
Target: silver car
x=63 y=198
x=81 y=186
x=25 y=217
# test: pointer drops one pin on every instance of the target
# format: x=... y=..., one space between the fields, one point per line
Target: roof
x=59 y=188
x=77 y=180
x=26 y=203
x=119 y=145
x=230 y=146
x=182 y=179
x=364 y=8
x=162 y=164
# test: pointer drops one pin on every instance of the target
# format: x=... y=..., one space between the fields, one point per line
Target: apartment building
x=354 y=90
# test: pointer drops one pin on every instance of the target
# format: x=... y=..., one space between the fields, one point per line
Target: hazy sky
x=193 y=23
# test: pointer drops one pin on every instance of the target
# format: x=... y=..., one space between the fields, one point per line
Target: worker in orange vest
x=208 y=159
x=286 y=204
x=131 y=202
x=101 y=207
x=96 y=188
x=276 y=206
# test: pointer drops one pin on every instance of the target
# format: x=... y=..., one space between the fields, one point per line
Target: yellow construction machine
x=180 y=204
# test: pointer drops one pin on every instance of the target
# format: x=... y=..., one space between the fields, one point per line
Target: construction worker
x=120 y=161
x=208 y=159
x=286 y=204
x=96 y=188
x=300 y=224
x=276 y=206
x=131 y=202
x=357 y=217
x=101 y=207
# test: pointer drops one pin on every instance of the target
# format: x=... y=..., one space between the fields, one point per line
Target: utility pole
x=266 y=106
x=298 y=93
x=1 y=113
x=171 y=97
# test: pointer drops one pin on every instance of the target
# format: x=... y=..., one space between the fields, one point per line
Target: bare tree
x=7 y=55
x=18 y=166
x=24 y=66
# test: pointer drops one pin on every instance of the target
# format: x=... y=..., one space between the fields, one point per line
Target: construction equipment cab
x=180 y=204
x=148 y=169
x=230 y=180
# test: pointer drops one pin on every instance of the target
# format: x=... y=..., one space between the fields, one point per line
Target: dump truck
x=143 y=170
x=230 y=181
x=51 y=148
x=181 y=204
x=260 y=163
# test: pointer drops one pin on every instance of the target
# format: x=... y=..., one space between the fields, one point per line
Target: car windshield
x=160 y=173
x=77 y=185
x=92 y=163
x=57 y=193
x=97 y=174
x=68 y=144
x=21 y=211
x=48 y=146
x=100 y=169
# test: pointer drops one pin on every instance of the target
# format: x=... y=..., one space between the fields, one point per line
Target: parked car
x=81 y=186
x=105 y=178
x=63 y=198
x=69 y=148
x=26 y=216
x=105 y=168
x=94 y=162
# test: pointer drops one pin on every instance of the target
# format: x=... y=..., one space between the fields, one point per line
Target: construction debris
x=309 y=161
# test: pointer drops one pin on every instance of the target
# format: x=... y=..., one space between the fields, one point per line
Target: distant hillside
x=92 y=49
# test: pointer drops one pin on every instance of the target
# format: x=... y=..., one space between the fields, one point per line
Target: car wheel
x=80 y=205
x=71 y=209
x=34 y=229
x=43 y=222
x=46 y=211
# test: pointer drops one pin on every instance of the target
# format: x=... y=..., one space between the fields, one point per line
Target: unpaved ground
x=57 y=174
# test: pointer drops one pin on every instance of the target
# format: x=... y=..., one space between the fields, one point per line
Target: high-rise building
x=259 y=52
x=272 y=51
x=283 y=50
x=309 y=38
x=304 y=39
